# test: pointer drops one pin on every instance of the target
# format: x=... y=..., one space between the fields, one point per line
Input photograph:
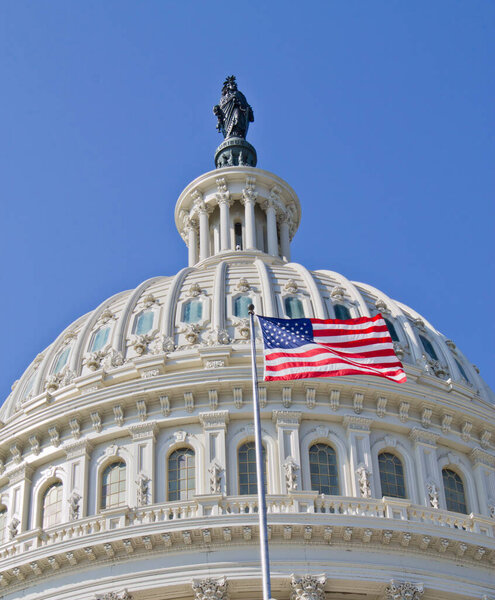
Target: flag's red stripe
x=345 y=355
x=357 y=343
x=341 y=372
x=329 y=361
x=357 y=321
x=343 y=331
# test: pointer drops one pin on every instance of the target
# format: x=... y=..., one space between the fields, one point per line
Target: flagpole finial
x=251 y=309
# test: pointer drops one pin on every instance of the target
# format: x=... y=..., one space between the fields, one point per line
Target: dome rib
x=269 y=304
x=351 y=288
x=171 y=301
x=218 y=312
x=309 y=280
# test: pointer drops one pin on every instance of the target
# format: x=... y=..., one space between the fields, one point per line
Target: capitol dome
x=126 y=466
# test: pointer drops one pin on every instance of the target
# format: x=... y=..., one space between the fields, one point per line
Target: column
x=192 y=237
x=358 y=435
x=426 y=461
x=214 y=430
x=204 y=234
x=284 y=237
x=287 y=422
x=271 y=228
x=224 y=204
x=20 y=489
x=484 y=477
x=249 y=196
x=78 y=456
x=143 y=442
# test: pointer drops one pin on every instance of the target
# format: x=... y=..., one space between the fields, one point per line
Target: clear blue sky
x=379 y=114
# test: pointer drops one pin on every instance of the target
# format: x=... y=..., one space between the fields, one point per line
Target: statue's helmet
x=229 y=84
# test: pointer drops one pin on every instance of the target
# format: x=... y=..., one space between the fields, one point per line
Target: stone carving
x=381 y=306
x=243 y=328
x=399 y=350
x=113 y=359
x=57 y=380
x=194 y=290
x=337 y=293
x=307 y=587
x=143 y=489
x=73 y=501
x=291 y=287
x=13 y=528
x=364 y=481
x=243 y=285
x=94 y=359
x=218 y=336
x=233 y=112
x=106 y=316
x=491 y=508
x=191 y=331
x=149 y=300
x=140 y=342
x=215 y=471
x=432 y=492
x=290 y=469
x=124 y=595
x=210 y=589
x=404 y=591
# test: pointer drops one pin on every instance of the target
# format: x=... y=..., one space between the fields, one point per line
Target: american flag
x=300 y=348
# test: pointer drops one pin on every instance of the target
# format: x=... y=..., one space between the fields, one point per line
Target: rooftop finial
x=234 y=115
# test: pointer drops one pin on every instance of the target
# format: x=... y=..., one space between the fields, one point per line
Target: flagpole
x=265 y=561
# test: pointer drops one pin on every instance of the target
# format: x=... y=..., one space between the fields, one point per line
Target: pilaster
x=78 y=458
x=20 y=489
x=358 y=436
x=143 y=448
x=287 y=423
x=214 y=430
x=426 y=461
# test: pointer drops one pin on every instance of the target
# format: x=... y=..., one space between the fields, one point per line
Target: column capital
x=223 y=194
x=481 y=456
x=215 y=419
x=404 y=591
x=353 y=423
x=79 y=448
x=418 y=436
x=284 y=418
x=142 y=431
x=249 y=193
x=210 y=589
x=307 y=587
x=20 y=473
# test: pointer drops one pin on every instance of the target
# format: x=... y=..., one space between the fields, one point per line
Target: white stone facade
x=166 y=367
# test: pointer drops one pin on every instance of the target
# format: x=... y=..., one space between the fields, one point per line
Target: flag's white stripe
x=374 y=360
x=352 y=350
x=350 y=327
x=334 y=367
x=325 y=339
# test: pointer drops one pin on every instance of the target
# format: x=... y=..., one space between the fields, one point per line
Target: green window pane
x=341 y=312
x=294 y=308
x=241 y=306
x=181 y=474
x=193 y=311
x=246 y=461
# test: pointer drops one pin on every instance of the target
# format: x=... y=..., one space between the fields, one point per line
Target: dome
x=141 y=332
x=126 y=447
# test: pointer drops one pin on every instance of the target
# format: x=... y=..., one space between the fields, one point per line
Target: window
x=341 y=312
x=323 y=469
x=100 y=339
x=246 y=460
x=238 y=236
x=144 y=322
x=391 y=330
x=52 y=505
x=113 y=485
x=241 y=304
x=461 y=370
x=181 y=474
x=454 y=491
x=294 y=308
x=192 y=311
x=428 y=348
x=29 y=386
x=391 y=475
x=3 y=522
x=61 y=360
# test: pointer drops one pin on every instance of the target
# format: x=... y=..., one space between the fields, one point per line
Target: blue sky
x=379 y=114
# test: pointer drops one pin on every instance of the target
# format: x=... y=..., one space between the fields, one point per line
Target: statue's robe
x=236 y=114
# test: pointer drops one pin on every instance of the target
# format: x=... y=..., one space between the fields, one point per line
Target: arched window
x=61 y=360
x=100 y=339
x=29 y=386
x=241 y=304
x=294 y=308
x=238 y=236
x=181 y=474
x=323 y=469
x=341 y=312
x=391 y=475
x=428 y=347
x=144 y=322
x=391 y=330
x=113 y=485
x=246 y=461
x=52 y=505
x=192 y=311
x=454 y=491
x=3 y=522
x=461 y=370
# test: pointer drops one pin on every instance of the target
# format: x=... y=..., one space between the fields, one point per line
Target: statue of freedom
x=233 y=112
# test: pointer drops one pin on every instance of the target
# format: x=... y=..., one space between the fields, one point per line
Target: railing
x=229 y=506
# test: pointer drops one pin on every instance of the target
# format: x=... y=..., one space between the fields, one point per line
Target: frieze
x=357 y=423
x=423 y=437
x=77 y=449
x=483 y=457
x=215 y=419
x=286 y=418
x=144 y=430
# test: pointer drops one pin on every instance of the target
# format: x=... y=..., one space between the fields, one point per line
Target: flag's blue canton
x=286 y=333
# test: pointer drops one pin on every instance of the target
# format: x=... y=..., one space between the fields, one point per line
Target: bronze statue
x=233 y=112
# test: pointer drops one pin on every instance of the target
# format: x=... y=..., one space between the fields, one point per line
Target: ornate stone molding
x=210 y=589
x=357 y=423
x=140 y=431
x=79 y=448
x=404 y=591
x=307 y=587
x=423 y=437
x=286 y=417
x=483 y=457
x=217 y=419
x=124 y=595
